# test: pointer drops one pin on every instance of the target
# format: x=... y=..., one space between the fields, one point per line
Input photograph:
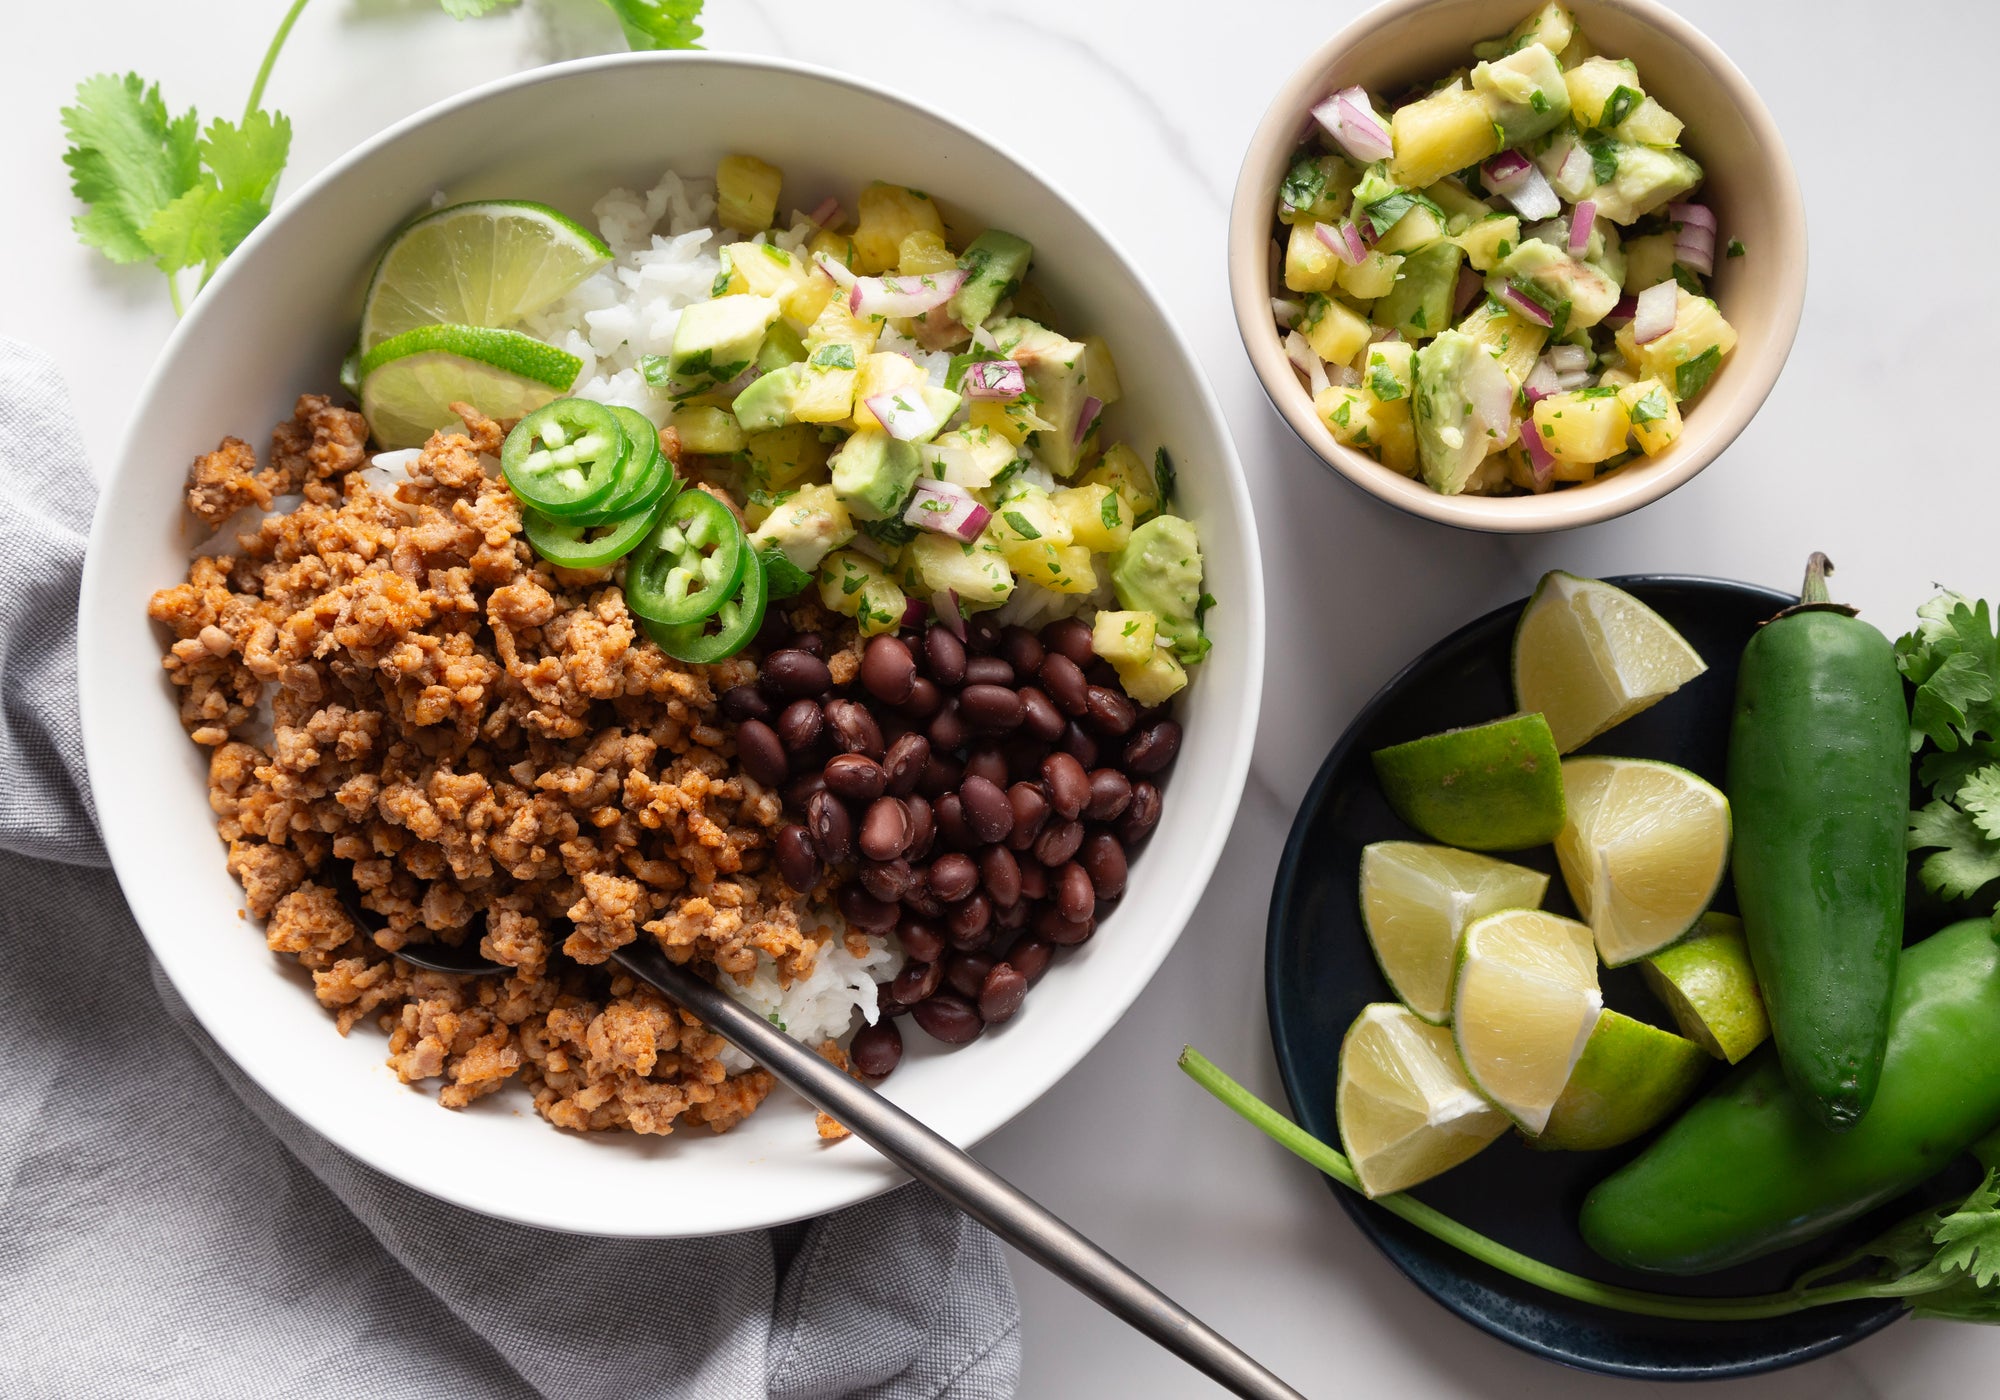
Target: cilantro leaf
x=1303 y=184
x=127 y=160
x=1618 y=106
x=782 y=578
x=894 y=531
x=1651 y=407
x=1020 y=524
x=1964 y=860
x=1691 y=378
x=1603 y=154
x=231 y=196
x=1970 y=1235
x=1979 y=797
x=472 y=9
x=1163 y=479
x=1953 y=659
x=659 y=24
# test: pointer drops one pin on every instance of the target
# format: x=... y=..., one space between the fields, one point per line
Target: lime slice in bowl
x=1524 y=1004
x=1415 y=902
x=409 y=383
x=1405 y=1108
x=1590 y=656
x=1643 y=851
x=493 y=264
x=1629 y=1078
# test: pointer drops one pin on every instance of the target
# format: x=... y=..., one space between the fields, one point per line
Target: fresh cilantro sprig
x=159 y=188
x=1953 y=661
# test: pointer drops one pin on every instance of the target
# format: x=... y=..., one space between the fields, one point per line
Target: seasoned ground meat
x=401 y=699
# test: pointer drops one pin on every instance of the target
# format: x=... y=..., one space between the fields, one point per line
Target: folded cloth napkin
x=166 y=1228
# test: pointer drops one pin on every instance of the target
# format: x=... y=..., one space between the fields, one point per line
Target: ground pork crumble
x=494 y=750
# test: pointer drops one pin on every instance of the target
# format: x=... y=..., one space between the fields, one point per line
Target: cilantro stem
x=174 y=295
x=1300 y=1143
x=271 y=58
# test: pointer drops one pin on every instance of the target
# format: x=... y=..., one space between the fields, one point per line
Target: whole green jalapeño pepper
x=1819 y=785
x=1749 y=1169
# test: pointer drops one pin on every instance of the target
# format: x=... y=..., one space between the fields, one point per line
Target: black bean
x=885 y=829
x=1000 y=873
x=1064 y=933
x=1058 y=842
x=1031 y=808
x=1039 y=715
x=987 y=762
x=1110 y=794
x=1063 y=681
x=993 y=709
x=799 y=791
x=921 y=940
x=965 y=973
x=888 y=671
x=1079 y=745
x=865 y=911
x=1141 y=817
x=951 y=1019
x=1070 y=637
x=1099 y=672
x=1110 y=712
x=1024 y=755
x=989 y=814
x=800 y=724
x=1001 y=995
x=923 y=826
x=1153 y=747
x=854 y=728
x=925 y=698
x=811 y=643
x=1031 y=957
x=1034 y=880
x=798 y=862
x=888 y=880
x=763 y=755
x=1075 y=899
x=741 y=702
x=886 y=1005
x=1010 y=918
x=989 y=670
x=916 y=981
x=952 y=828
x=876 y=1050
x=904 y=763
x=952 y=877
x=948 y=729
x=921 y=902
x=831 y=826
x=796 y=672
x=942 y=774
x=1023 y=651
x=775 y=632
x=944 y=655
x=982 y=637
x=1068 y=784
x=1104 y=860
x=855 y=776
x=969 y=923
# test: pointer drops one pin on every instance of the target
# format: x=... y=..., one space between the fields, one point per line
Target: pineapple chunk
x=837 y=326
x=1336 y=334
x=824 y=395
x=1592 y=83
x=1461 y=209
x=1413 y=230
x=1584 y=425
x=1310 y=266
x=1617 y=377
x=1436 y=135
x=1372 y=277
x=882 y=373
x=763 y=269
x=924 y=252
x=1060 y=568
x=1655 y=417
x=1023 y=527
x=781 y=456
x=1513 y=340
x=1100 y=372
x=1552 y=26
x=993 y=416
x=888 y=215
x=1349 y=414
x=1122 y=471
x=1650 y=125
x=1097 y=516
x=711 y=431
x=746 y=193
x=1649 y=261
x=806 y=301
x=804 y=526
x=1389 y=380
x=1154 y=680
x=829 y=243
x=1490 y=240
x=1687 y=356
x=1578 y=50
x=975 y=572
x=1124 y=638
x=1329 y=181
x=856 y=586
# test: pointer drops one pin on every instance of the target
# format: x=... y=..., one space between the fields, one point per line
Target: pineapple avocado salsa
x=879 y=410
x=1499 y=286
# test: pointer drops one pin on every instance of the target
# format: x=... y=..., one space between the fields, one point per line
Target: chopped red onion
x=1653 y=314
x=913 y=612
x=1344 y=240
x=945 y=509
x=994 y=379
x=1532 y=197
x=944 y=603
x=1526 y=307
x=1086 y=420
x=1345 y=376
x=1378 y=334
x=1580 y=224
x=903 y=296
x=827 y=214
x=983 y=338
x=1694 y=247
x=1572 y=379
x=1350 y=119
x=1541 y=380
x=741 y=381
x=835 y=269
x=1566 y=358
x=1306 y=362
x=1692 y=215
x=903 y=413
x=1287 y=312
x=1469 y=283
x=1576 y=169
x=1539 y=456
x=1622 y=309
x=1491 y=395
x=1505 y=170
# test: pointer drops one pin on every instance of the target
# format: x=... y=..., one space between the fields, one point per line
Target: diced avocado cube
x=1455 y=372
x=1419 y=305
x=1646 y=179
x=781 y=456
x=782 y=346
x=1525 y=93
x=1154 y=680
x=714 y=341
x=1560 y=278
x=975 y=572
x=873 y=474
x=1124 y=638
x=711 y=431
x=1054 y=366
x=767 y=401
x=994 y=263
x=804 y=526
x=1159 y=571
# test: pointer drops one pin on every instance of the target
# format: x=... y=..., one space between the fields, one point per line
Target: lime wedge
x=1629 y=1078
x=1707 y=982
x=1405 y=1108
x=1643 y=851
x=1590 y=656
x=493 y=264
x=409 y=384
x=1491 y=787
x=1524 y=1002
x=1417 y=899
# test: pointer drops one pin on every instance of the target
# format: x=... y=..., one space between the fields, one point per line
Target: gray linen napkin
x=167 y=1229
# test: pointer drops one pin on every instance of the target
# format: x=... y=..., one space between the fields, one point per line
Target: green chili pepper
x=1750 y=1169
x=566 y=457
x=1819 y=784
x=723 y=633
x=690 y=563
x=645 y=477
x=571 y=544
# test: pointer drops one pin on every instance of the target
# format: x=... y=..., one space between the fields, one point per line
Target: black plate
x=1319 y=973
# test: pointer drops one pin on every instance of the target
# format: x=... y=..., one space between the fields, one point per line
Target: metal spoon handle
x=953 y=1174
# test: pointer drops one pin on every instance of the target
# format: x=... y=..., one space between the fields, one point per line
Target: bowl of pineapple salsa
x=1523 y=280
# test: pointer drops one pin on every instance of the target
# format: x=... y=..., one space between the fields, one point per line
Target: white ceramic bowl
x=274 y=324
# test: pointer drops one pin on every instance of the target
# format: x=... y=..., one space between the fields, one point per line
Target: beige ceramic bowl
x=1750 y=185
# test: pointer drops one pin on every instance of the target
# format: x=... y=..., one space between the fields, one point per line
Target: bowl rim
x=1592 y=502
x=96 y=672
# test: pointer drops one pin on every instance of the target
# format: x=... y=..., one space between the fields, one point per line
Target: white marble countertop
x=1873 y=448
